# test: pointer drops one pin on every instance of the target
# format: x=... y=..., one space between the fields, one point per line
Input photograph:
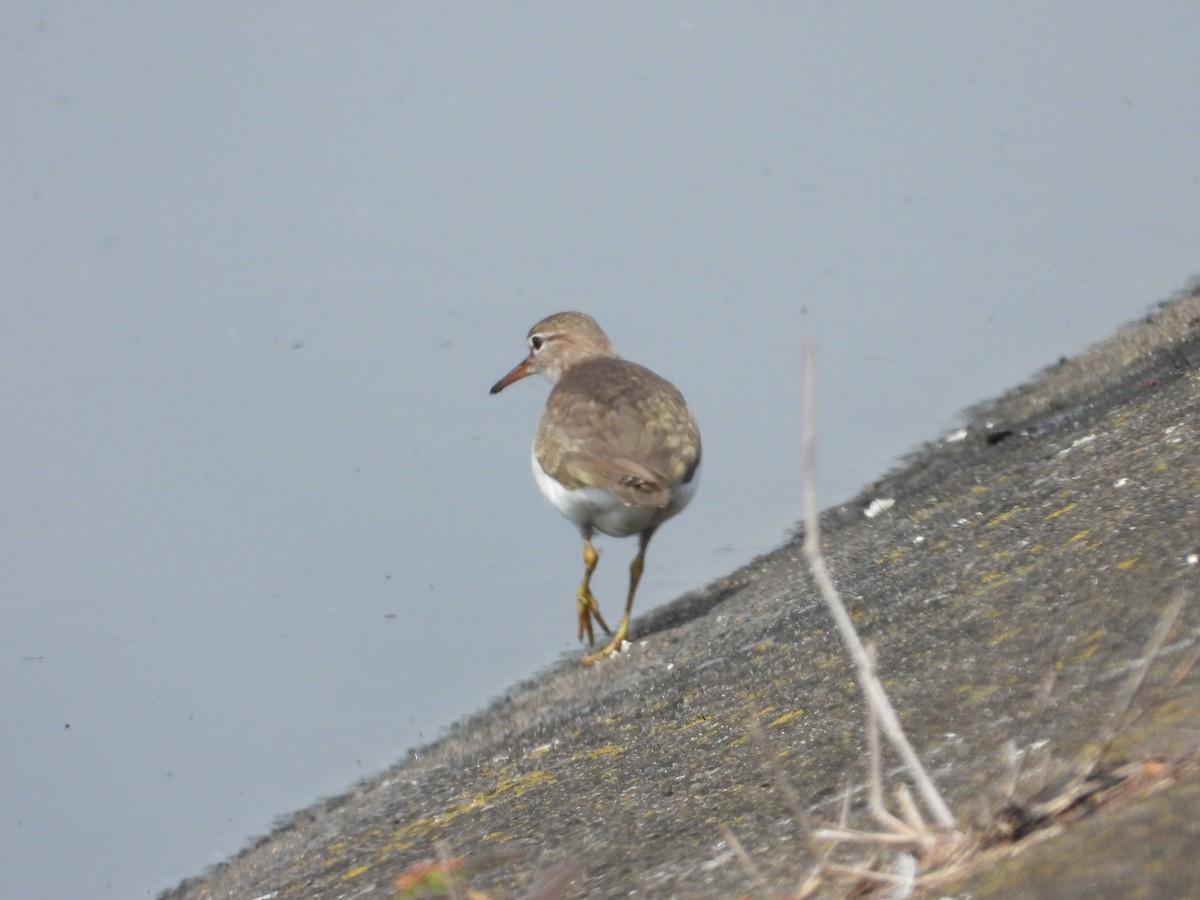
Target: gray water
x=264 y=529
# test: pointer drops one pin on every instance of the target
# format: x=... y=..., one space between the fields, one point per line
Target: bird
x=617 y=450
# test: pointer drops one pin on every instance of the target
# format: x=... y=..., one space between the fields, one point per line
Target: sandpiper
x=617 y=449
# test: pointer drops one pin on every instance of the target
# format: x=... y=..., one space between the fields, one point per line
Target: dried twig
x=744 y=858
x=1132 y=683
x=875 y=794
x=1044 y=694
x=1012 y=761
x=871 y=685
x=1180 y=671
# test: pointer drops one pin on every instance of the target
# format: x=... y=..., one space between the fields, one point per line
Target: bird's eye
x=536 y=342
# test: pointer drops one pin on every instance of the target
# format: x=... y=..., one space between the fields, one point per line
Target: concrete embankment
x=1040 y=545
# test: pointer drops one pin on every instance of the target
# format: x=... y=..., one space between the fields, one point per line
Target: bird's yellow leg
x=588 y=609
x=622 y=633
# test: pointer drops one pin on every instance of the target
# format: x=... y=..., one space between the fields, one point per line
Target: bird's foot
x=617 y=644
x=589 y=610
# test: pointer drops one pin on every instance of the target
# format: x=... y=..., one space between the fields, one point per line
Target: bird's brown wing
x=614 y=424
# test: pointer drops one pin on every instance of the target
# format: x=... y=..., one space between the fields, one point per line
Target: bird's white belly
x=593 y=507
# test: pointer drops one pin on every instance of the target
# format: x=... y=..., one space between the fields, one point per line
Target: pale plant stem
x=871 y=685
x=875 y=797
x=744 y=858
x=1125 y=696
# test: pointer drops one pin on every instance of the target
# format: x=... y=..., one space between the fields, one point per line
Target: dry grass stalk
x=880 y=705
x=746 y=861
x=924 y=856
x=1125 y=697
x=1181 y=670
